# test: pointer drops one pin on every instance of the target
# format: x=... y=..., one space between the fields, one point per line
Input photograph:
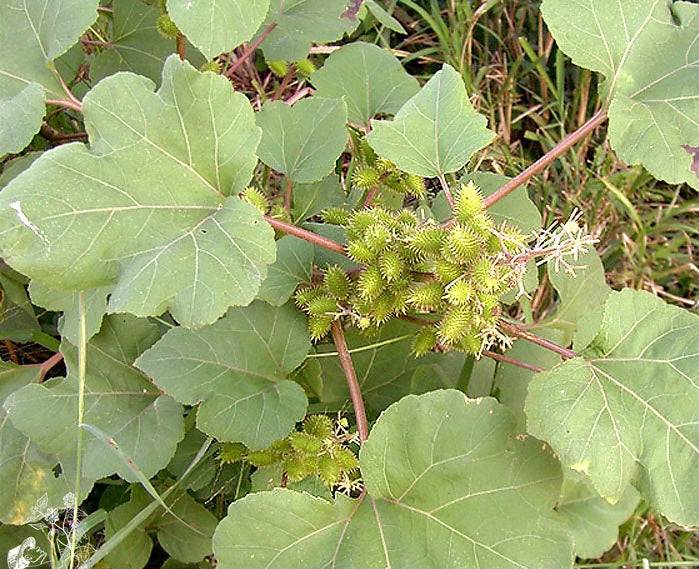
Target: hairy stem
x=250 y=50
x=512 y=361
x=181 y=46
x=75 y=105
x=306 y=235
x=351 y=376
x=542 y=163
x=82 y=370
x=519 y=332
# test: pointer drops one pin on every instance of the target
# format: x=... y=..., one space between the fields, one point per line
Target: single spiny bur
x=391 y=265
x=319 y=426
x=366 y=178
x=336 y=216
x=255 y=198
x=471 y=343
x=370 y=283
x=304 y=296
x=426 y=297
x=306 y=442
x=454 y=325
x=377 y=238
x=232 y=452
x=360 y=252
x=414 y=185
x=299 y=466
x=447 y=271
x=460 y=293
x=462 y=245
x=427 y=241
x=305 y=67
x=424 y=341
x=212 y=66
x=384 y=166
x=469 y=203
x=319 y=326
x=166 y=27
x=486 y=275
x=336 y=282
x=329 y=471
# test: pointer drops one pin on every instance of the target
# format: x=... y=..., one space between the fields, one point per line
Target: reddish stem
x=76 y=106
x=371 y=195
x=520 y=332
x=288 y=195
x=250 y=50
x=181 y=46
x=508 y=360
x=564 y=145
x=46 y=366
x=352 y=383
x=306 y=235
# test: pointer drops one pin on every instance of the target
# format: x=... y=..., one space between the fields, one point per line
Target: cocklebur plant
x=227 y=243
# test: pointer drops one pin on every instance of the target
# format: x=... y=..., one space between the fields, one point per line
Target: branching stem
x=519 y=332
x=306 y=235
x=542 y=163
x=512 y=361
x=250 y=50
x=351 y=376
x=48 y=365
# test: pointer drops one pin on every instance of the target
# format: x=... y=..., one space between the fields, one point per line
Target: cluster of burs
x=453 y=274
x=315 y=450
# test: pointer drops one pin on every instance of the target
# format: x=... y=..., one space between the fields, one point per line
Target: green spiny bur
x=424 y=341
x=336 y=282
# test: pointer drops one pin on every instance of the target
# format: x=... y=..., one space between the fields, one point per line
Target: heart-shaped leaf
x=448 y=486
x=237 y=369
x=435 y=132
x=626 y=411
x=145 y=206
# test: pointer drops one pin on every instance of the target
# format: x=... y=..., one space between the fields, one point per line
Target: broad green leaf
x=237 y=368
x=448 y=486
x=369 y=78
x=17 y=319
x=67 y=302
x=300 y=23
x=383 y=17
x=216 y=26
x=593 y=522
x=186 y=544
x=119 y=401
x=303 y=141
x=648 y=52
x=145 y=207
x=270 y=477
x=386 y=369
x=293 y=266
x=511 y=382
x=135 y=44
x=436 y=132
x=16 y=166
x=33 y=33
x=582 y=298
x=626 y=410
x=311 y=199
x=26 y=473
x=21 y=116
x=186 y=452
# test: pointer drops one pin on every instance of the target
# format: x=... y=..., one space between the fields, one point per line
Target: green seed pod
x=360 y=252
x=455 y=325
x=482 y=225
x=469 y=203
x=485 y=275
x=383 y=307
x=459 y=293
x=299 y=467
x=493 y=244
x=360 y=222
x=513 y=239
x=323 y=305
x=305 y=67
x=166 y=27
x=406 y=219
x=488 y=302
x=319 y=426
x=426 y=297
x=336 y=216
x=304 y=442
x=384 y=166
x=336 y=281
x=391 y=265
x=425 y=341
x=370 y=283
x=261 y=458
x=471 y=343
x=255 y=198
x=212 y=66
x=328 y=470
x=365 y=177
x=345 y=459
x=377 y=238
x=232 y=452
x=462 y=245
x=414 y=185
x=319 y=326
x=446 y=271
x=278 y=67
x=303 y=296
x=427 y=241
